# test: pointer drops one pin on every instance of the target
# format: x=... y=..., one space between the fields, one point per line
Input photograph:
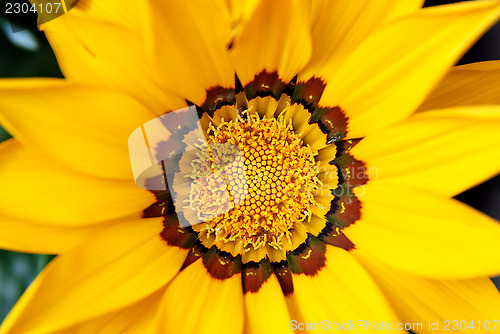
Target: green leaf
x=17 y=271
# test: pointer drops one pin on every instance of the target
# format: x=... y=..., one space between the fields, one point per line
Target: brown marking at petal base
x=345 y=146
x=254 y=274
x=290 y=88
x=218 y=97
x=170 y=152
x=332 y=121
x=346 y=208
x=284 y=274
x=176 y=235
x=153 y=183
x=159 y=209
x=352 y=172
x=308 y=258
x=221 y=265
x=309 y=93
x=332 y=235
x=195 y=253
x=265 y=84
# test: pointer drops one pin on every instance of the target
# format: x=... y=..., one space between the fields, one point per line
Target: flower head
x=319 y=190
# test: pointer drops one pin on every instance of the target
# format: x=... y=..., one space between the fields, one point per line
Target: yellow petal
x=39 y=190
x=118 y=267
x=266 y=309
x=445 y=151
x=467 y=85
x=425 y=234
x=389 y=75
x=21 y=236
x=275 y=38
x=189 y=41
x=133 y=319
x=195 y=302
x=338 y=27
x=472 y=303
x=85 y=128
x=341 y=293
x=104 y=43
x=237 y=12
x=126 y=13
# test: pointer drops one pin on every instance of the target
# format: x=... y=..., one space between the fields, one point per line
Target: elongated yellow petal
x=237 y=12
x=104 y=43
x=341 y=293
x=266 y=310
x=465 y=85
x=85 y=128
x=195 y=302
x=133 y=319
x=21 y=236
x=425 y=234
x=445 y=151
x=118 y=267
x=458 y=306
x=389 y=75
x=190 y=47
x=39 y=190
x=125 y=13
x=277 y=30
x=338 y=27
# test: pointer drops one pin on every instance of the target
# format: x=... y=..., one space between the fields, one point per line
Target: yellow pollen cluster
x=256 y=201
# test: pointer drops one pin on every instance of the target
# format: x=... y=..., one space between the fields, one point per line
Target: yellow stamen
x=278 y=172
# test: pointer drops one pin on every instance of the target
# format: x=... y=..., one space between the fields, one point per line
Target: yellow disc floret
x=259 y=187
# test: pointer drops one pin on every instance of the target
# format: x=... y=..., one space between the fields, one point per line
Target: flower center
x=270 y=190
x=261 y=183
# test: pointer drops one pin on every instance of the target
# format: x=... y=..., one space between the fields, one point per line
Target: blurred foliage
x=17 y=271
x=18 y=62
x=4 y=135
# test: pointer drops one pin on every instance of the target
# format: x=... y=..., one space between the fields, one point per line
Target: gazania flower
x=353 y=130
